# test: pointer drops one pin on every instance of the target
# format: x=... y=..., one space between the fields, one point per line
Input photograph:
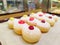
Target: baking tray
x=8 y=37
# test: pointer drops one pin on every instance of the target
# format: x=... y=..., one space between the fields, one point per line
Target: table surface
x=8 y=37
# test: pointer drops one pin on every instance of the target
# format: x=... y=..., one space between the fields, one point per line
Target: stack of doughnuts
x=41 y=24
x=31 y=27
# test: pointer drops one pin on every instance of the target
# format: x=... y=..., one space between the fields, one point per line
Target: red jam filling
x=21 y=22
x=44 y=12
x=40 y=15
x=31 y=18
x=50 y=17
x=53 y=15
x=43 y=21
x=31 y=27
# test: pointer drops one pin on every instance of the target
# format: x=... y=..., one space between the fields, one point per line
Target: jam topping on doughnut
x=50 y=17
x=21 y=21
x=44 y=12
x=11 y=18
x=43 y=21
x=31 y=18
x=53 y=15
x=25 y=16
x=40 y=15
x=31 y=27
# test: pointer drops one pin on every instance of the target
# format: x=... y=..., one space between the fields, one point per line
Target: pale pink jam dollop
x=31 y=18
x=50 y=17
x=40 y=15
x=53 y=15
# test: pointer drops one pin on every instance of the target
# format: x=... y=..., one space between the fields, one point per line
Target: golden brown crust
x=18 y=31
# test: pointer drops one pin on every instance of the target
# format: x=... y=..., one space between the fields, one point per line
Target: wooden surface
x=8 y=37
x=17 y=14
